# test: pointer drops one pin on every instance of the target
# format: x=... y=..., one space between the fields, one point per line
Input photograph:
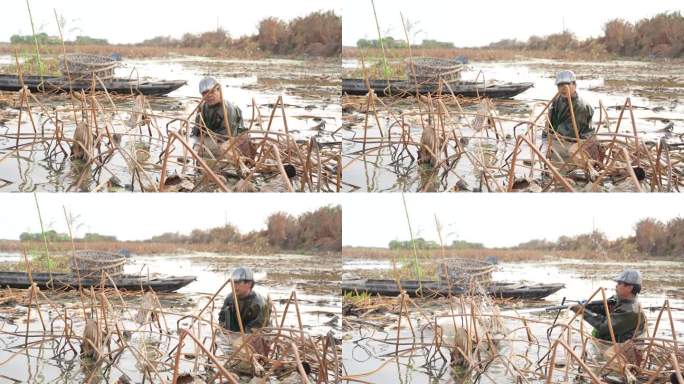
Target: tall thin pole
x=415 y=250
x=35 y=40
x=42 y=231
x=385 y=68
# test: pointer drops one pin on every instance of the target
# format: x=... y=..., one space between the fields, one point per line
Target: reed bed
x=107 y=331
x=478 y=54
x=501 y=160
x=477 y=340
x=509 y=255
x=143 y=248
x=156 y=148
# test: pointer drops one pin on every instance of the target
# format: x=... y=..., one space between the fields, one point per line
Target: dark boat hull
x=68 y=281
x=436 y=288
x=118 y=86
x=461 y=88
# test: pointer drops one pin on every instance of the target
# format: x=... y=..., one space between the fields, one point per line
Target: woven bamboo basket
x=93 y=263
x=465 y=271
x=84 y=66
x=432 y=69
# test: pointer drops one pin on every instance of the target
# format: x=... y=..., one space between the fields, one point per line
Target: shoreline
x=155 y=248
x=492 y=54
x=503 y=255
x=148 y=52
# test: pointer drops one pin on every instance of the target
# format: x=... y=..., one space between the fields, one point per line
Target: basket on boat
x=84 y=66
x=465 y=271
x=432 y=69
x=93 y=263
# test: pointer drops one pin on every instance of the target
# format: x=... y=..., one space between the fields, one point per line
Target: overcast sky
x=498 y=220
x=477 y=23
x=137 y=216
x=129 y=21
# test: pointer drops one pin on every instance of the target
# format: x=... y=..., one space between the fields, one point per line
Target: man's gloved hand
x=224 y=315
x=576 y=307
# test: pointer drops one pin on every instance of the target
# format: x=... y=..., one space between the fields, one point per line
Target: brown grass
x=133 y=246
x=154 y=248
x=475 y=54
x=140 y=52
x=479 y=254
x=58 y=264
x=484 y=54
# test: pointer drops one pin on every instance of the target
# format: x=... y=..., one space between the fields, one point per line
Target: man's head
x=243 y=278
x=628 y=283
x=209 y=89
x=566 y=83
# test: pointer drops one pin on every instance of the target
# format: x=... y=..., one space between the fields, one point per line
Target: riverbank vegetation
x=319 y=231
x=657 y=37
x=318 y=34
x=651 y=239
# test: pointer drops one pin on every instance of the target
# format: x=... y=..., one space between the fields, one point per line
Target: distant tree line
x=594 y=241
x=54 y=236
x=662 y=35
x=390 y=42
x=320 y=230
x=651 y=237
x=659 y=36
x=44 y=39
x=660 y=239
x=51 y=236
x=387 y=42
x=421 y=243
x=317 y=34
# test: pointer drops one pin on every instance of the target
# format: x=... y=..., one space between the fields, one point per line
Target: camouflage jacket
x=626 y=317
x=213 y=120
x=561 y=121
x=254 y=312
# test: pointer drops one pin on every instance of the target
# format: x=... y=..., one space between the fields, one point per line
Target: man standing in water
x=559 y=110
x=560 y=117
x=253 y=308
x=212 y=118
x=626 y=315
x=212 y=114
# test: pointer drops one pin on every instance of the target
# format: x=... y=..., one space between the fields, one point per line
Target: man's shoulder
x=581 y=101
x=259 y=298
x=230 y=105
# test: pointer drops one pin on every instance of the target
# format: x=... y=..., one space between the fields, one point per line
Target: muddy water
x=656 y=91
x=315 y=279
x=367 y=348
x=310 y=90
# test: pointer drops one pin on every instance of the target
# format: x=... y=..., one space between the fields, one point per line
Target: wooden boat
x=438 y=288
x=70 y=281
x=403 y=88
x=117 y=86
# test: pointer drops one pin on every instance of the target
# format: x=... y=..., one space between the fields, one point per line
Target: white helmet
x=242 y=274
x=629 y=276
x=565 y=77
x=207 y=84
